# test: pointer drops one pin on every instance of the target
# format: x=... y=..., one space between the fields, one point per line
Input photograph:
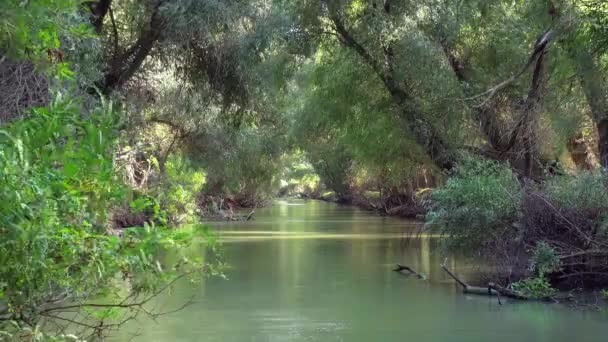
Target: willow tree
x=135 y=33
x=500 y=63
x=349 y=126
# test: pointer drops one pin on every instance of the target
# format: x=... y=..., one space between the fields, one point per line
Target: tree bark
x=602 y=129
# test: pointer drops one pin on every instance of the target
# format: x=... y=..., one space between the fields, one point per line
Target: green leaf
x=70 y=169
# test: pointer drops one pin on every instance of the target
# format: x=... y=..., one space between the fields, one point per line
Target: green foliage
x=32 y=26
x=586 y=190
x=177 y=192
x=535 y=288
x=544 y=259
x=333 y=165
x=57 y=184
x=476 y=206
x=298 y=176
x=56 y=164
x=344 y=120
x=244 y=163
x=31 y=30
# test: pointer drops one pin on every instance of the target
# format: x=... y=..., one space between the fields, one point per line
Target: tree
x=581 y=38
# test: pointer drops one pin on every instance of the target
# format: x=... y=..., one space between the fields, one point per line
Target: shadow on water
x=314 y=271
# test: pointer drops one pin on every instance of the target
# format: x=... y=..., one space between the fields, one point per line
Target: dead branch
x=21 y=87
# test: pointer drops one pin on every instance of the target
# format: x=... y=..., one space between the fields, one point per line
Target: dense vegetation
x=123 y=119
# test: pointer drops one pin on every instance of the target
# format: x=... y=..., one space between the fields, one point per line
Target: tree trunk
x=410 y=115
x=490 y=123
x=602 y=130
x=518 y=143
x=123 y=66
x=98 y=10
x=581 y=153
x=591 y=80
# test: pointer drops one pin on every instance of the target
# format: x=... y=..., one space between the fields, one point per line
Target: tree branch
x=114 y=31
x=125 y=66
x=531 y=101
x=98 y=10
x=540 y=47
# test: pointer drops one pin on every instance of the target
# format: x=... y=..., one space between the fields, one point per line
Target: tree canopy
x=154 y=113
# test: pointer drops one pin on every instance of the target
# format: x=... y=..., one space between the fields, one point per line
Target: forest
x=126 y=123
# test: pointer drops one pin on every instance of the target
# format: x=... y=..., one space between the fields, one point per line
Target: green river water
x=315 y=271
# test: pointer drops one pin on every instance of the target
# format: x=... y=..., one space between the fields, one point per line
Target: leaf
x=70 y=169
x=64 y=72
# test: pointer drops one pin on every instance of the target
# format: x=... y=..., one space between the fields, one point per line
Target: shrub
x=177 y=193
x=585 y=191
x=535 y=287
x=477 y=206
x=333 y=164
x=56 y=185
x=241 y=165
x=544 y=259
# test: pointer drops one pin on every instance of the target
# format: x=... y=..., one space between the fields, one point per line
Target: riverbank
x=404 y=206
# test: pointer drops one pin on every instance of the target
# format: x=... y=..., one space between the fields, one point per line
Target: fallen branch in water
x=466 y=288
x=494 y=289
x=401 y=268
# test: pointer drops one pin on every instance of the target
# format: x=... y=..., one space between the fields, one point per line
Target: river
x=315 y=271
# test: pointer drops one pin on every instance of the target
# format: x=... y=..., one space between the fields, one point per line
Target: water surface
x=314 y=271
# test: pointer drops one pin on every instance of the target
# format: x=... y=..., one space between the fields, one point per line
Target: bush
x=177 y=194
x=477 y=206
x=544 y=260
x=483 y=210
x=58 y=182
x=534 y=288
x=585 y=191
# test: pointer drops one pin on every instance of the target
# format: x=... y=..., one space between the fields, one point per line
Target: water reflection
x=319 y=272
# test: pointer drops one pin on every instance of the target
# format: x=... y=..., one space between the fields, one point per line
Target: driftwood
x=507 y=292
x=400 y=268
x=494 y=289
x=466 y=288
